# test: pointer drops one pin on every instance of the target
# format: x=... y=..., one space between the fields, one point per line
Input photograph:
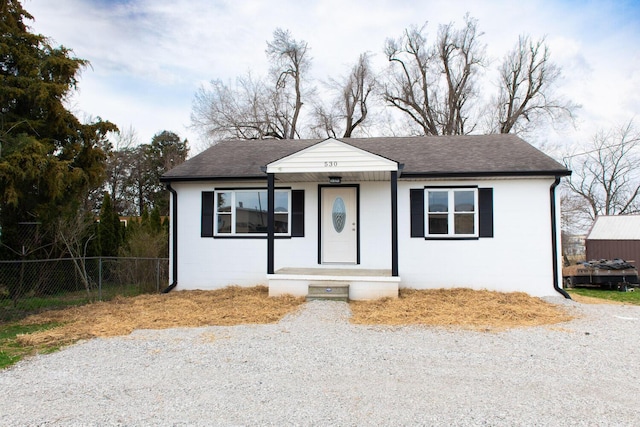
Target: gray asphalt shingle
x=467 y=155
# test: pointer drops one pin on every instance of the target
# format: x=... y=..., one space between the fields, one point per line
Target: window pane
x=224 y=223
x=245 y=211
x=464 y=224
x=252 y=200
x=282 y=223
x=224 y=202
x=438 y=224
x=282 y=201
x=438 y=201
x=464 y=201
x=251 y=212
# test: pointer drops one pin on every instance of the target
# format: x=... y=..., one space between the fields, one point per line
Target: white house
x=375 y=214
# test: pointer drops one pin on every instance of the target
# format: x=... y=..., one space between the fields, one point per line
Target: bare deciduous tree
x=255 y=108
x=118 y=167
x=326 y=122
x=350 y=106
x=527 y=80
x=289 y=60
x=239 y=112
x=575 y=211
x=358 y=87
x=74 y=234
x=434 y=86
x=606 y=176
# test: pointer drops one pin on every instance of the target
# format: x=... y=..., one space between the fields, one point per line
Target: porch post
x=270 y=222
x=394 y=223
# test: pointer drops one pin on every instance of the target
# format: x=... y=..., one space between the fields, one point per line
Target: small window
x=438 y=212
x=451 y=212
x=223 y=210
x=244 y=212
x=282 y=210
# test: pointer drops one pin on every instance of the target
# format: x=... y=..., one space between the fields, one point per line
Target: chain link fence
x=30 y=286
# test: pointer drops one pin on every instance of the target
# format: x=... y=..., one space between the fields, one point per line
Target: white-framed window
x=244 y=212
x=451 y=212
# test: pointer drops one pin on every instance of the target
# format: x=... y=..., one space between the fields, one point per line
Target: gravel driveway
x=314 y=368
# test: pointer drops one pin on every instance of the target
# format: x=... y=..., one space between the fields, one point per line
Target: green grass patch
x=46 y=302
x=10 y=311
x=11 y=351
x=624 y=297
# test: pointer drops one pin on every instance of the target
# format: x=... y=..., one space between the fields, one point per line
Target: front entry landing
x=362 y=284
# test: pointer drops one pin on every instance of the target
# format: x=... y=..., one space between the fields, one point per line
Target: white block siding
x=517 y=258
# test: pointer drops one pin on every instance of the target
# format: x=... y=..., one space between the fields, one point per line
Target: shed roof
x=615 y=227
x=426 y=156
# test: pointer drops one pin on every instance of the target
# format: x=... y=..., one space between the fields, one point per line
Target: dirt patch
x=237 y=305
x=459 y=307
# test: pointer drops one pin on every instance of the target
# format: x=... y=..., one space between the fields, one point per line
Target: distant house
x=614 y=236
x=374 y=213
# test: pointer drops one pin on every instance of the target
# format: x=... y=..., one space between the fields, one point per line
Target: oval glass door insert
x=339 y=214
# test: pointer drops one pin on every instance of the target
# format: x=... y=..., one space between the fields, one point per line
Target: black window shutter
x=485 y=212
x=416 y=197
x=297 y=213
x=206 y=226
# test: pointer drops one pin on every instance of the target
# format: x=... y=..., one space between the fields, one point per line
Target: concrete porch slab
x=364 y=284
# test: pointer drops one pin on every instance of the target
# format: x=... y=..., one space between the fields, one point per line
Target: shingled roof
x=426 y=156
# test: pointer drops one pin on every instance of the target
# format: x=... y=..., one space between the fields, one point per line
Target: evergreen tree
x=155 y=222
x=110 y=229
x=144 y=219
x=147 y=237
x=150 y=161
x=49 y=161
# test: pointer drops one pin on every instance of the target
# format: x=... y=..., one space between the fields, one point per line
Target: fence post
x=99 y=278
x=157 y=274
x=20 y=290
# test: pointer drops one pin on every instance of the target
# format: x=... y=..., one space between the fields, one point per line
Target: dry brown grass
x=230 y=306
x=237 y=305
x=459 y=307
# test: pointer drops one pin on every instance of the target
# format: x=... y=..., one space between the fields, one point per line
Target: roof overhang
x=485 y=174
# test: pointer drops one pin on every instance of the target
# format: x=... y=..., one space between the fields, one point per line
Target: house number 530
x=330 y=164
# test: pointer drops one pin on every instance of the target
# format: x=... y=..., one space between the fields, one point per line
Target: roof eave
x=485 y=174
x=404 y=174
x=167 y=179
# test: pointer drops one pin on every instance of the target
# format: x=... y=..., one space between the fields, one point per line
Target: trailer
x=609 y=274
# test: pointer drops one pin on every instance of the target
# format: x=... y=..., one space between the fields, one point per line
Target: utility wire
x=595 y=150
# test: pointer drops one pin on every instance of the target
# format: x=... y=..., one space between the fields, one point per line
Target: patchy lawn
x=11 y=350
x=479 y=310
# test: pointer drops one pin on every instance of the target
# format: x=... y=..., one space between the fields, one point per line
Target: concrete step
x=324 y=289
x=344 y=298
x=334 y=291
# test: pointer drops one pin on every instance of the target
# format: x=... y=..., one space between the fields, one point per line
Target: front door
x=339 y=225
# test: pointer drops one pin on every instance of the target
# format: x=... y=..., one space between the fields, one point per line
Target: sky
x=149 y=57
